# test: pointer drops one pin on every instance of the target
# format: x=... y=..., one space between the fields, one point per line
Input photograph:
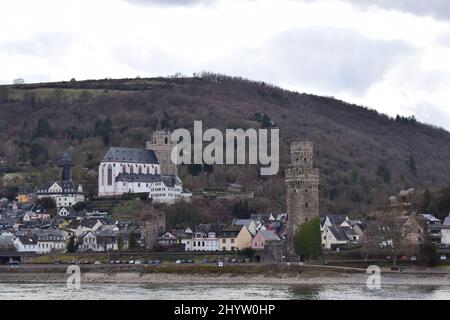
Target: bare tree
x=394 y=233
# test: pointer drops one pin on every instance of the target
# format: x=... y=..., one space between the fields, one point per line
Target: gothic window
x=306 y=205
x=109 y=175
x=124 y=169
x=166 y=141
x=148 y=170
x=140 y=170
x=131 y=169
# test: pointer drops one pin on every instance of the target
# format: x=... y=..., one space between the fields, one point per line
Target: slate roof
x=231 y=231
x=49 y=235
x=269 y=235
x=25 y=240
x=242 y=222
x=135 y=155
x=447 y=221
x=431 y=218
x=338 y=233
x=336 y=219
x=68 y=187
x=169 y=181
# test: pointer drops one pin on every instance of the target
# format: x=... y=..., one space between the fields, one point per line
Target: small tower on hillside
x=65 y=163
x=302 y=189
x=162 y=145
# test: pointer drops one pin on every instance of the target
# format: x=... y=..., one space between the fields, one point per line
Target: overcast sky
x=391 y=55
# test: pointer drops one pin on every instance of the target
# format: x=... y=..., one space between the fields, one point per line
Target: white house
x=25 y=244
x=65 y=193
x=29 y=216
x=87 y=241
x=49 y=240
x=160 y=188
x=101 y=241
x=106 y=241
x=334 y=237
x=79 y=227
x=64 y=211
x=204 y=242
x=167 y=239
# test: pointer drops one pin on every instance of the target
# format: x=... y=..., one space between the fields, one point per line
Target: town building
x=25 y=195
x=302 y=190
x=65 y=192
x=234 y=238
x=131 y=170
x=262 y=238
x=162 y=144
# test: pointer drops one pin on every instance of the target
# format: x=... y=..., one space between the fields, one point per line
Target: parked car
x=403 y=258
x=178 y=262
x=138 y=262
x=97 y=262
x=130 y=261
x=443 y=257
x=413 y=258
x=156 y=262
x=13 y=263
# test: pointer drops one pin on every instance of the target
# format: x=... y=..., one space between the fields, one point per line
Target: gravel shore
x=226 y=279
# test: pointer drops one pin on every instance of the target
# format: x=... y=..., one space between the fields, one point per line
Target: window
x=224 y=240
x=109 y=175
x=232 y=240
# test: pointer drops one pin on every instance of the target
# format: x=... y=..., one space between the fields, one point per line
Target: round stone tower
x=302 y=189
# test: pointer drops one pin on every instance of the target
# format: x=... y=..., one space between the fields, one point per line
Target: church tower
x=65 y=163
x=162 y=145
x=302 y=189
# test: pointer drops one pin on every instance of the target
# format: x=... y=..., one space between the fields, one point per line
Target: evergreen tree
x=120 y=242
x=132 y=243
x=308 y=240
x=72 y=246
x=412 y=164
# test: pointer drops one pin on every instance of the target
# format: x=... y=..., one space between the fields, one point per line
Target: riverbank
x=196 y=274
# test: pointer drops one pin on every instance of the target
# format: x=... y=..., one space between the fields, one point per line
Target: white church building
x=133 y=170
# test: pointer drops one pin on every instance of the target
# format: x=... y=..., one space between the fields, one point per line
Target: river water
x=227 y=292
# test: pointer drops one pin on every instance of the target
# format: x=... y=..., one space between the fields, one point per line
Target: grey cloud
x=45 y=44
x=332 y=60
x=436 y=8
x=432 y=114
x=168 y=3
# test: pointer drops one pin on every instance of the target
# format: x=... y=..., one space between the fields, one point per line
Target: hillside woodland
x=363 y=156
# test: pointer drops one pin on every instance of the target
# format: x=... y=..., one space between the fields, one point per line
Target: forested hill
x=363 y=156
